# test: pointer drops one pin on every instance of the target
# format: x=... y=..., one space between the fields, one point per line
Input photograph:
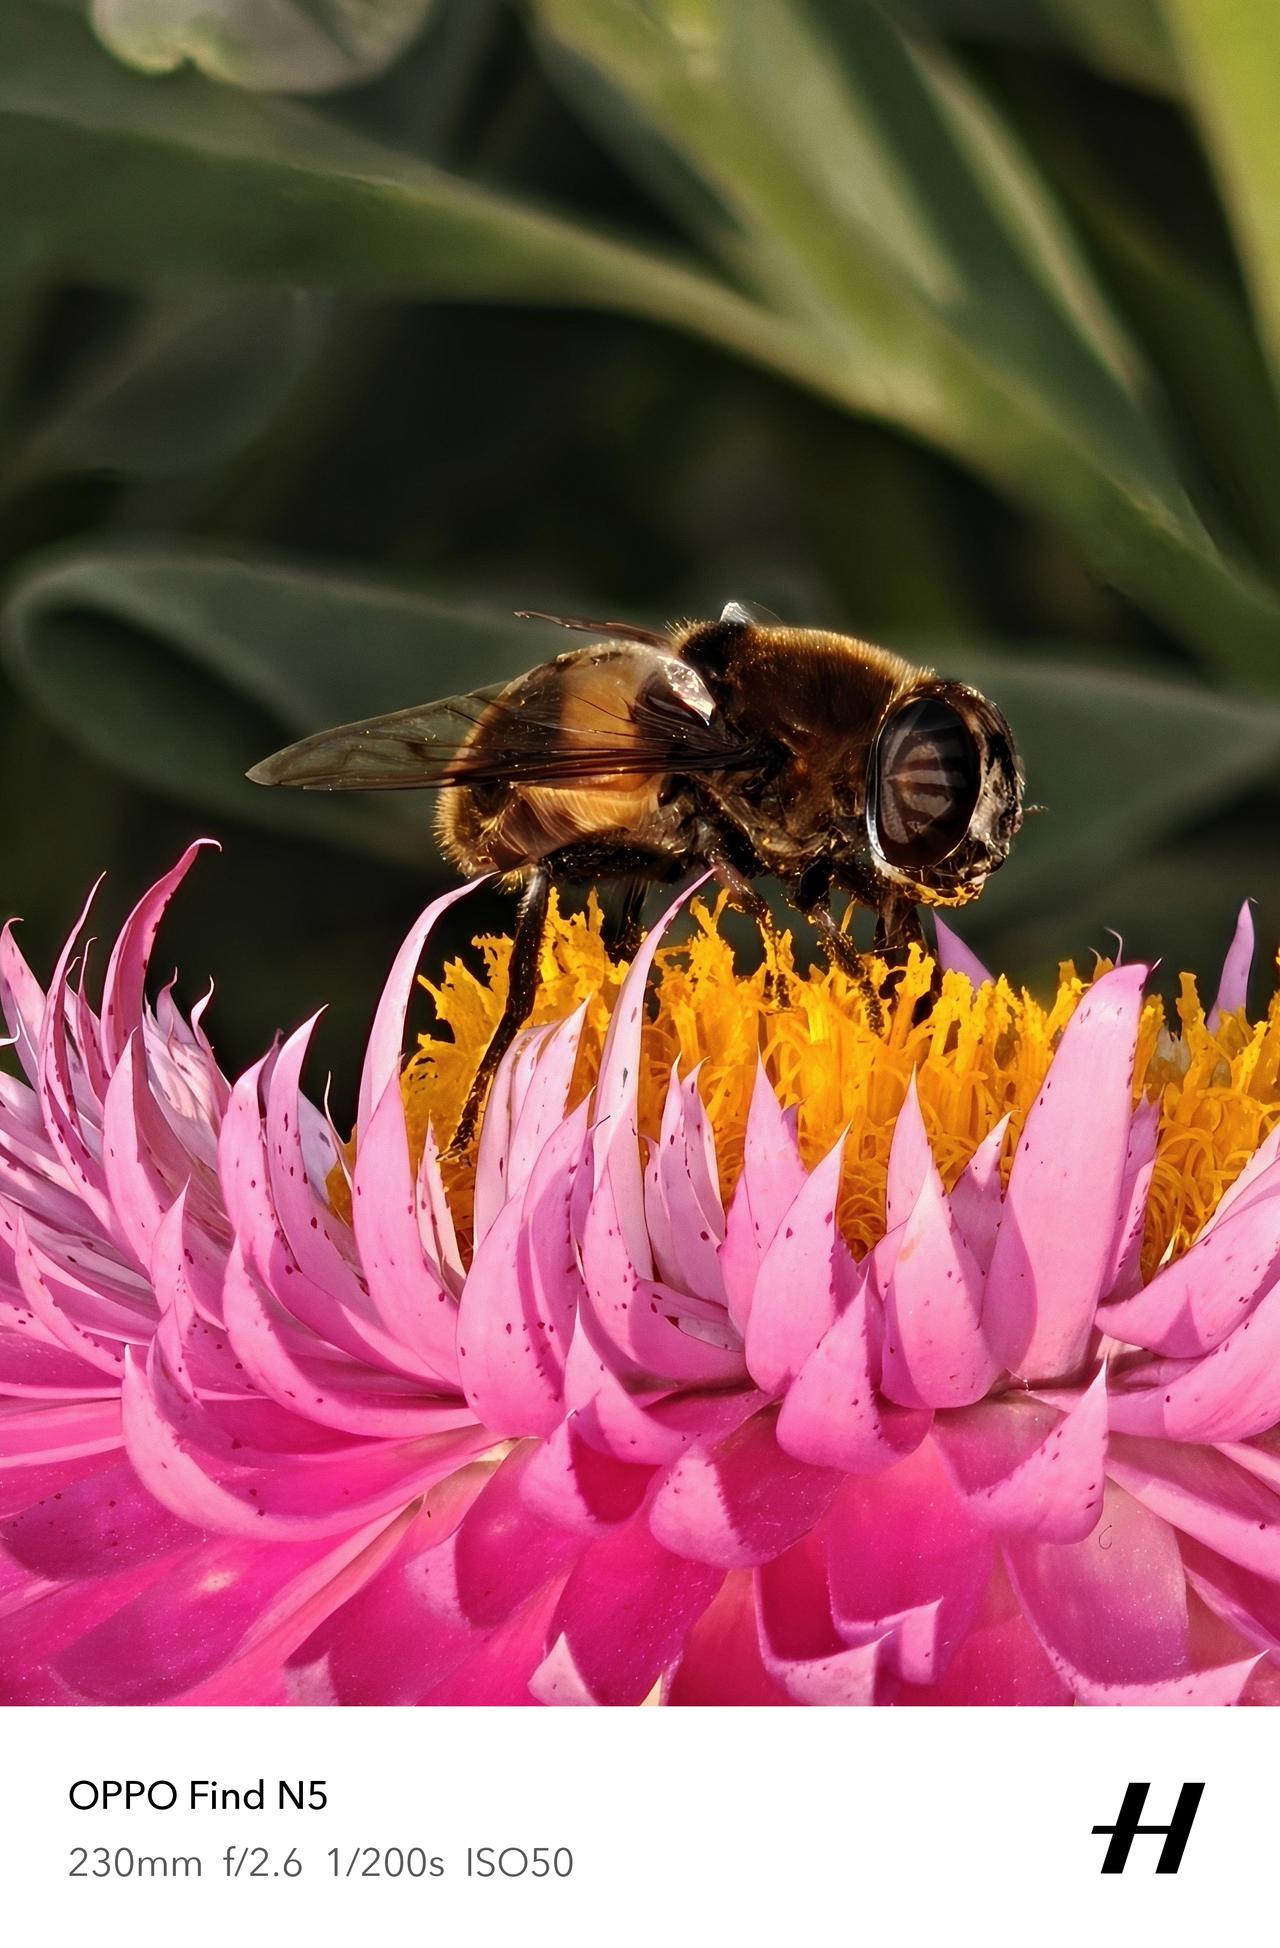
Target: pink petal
x=1110 y=1609
x=22 y=1002
x=572 y=1485
x=906 y=1563
x=97 y=1526
x=1229 y=1395
x=799 y=1645
x=934 y=1351
x=124 y=986
x=499 y=1556
x=1191 y=1305
x=1206 y=1495
x=412 y=1302
x=833 y=1415
x=771 y=1179
x=803 y=1276
x=741 y=1501
x=621 y=1620
x=1023 y=1469
x=498 y=1670
x=1233 y=988
x=1063 y=1200
x=720 y=1663
x=955 y=957
x=910 y=1160
x=386 y=1037
x=1000 y=1661
x=1123 y=1274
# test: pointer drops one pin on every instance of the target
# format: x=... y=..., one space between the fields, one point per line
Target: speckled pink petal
x=435 y=1219
x=499 y=1555
x=1123 y=1274
x=621 y=1620
x=1206 y=1495
x=22 y=1003
x=543 y=1101
x=1022 y=1468
x=1110 y=1609
x=1230 y=1395
x=720 y=1662
x=56 y=1433
x=977 y=1198
x=1191 y=1305
x=770 y=1181
x=740 y=1501
x=1233 y=988
x=1063 y=1201
x=145 y=1164
x=799 y=1646
x=833 y=1415
x=654 y=1429
x=386 y=1037
x=47 y=1293
x=910 y=1160
x=631 y=1320
x=571 y=1482
x=412 y=1302
x=498 y=1669
x=98 y=1526
x=955 y=958
x=934 y=1351
x=328 y=1388
x=803 y=1278
x=906 y=1563
x=516 y=1312
x=685 y=1222
x=495 y=1135
x=213 y=1481
x=319 y=1242
x=76 y=1145
x=1000 y=1661
x=122 y=994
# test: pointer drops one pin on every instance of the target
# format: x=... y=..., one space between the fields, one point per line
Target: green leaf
x=297 y=46
x=880 y=202
x=195 y=378
x=111 y=175
x=1229 y=51
x=182 y=670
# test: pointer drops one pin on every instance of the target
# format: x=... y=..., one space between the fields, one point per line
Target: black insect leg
x=622 y=928
x=522 y=987
x=843 y=953
x=748 y=897
x=898 y=930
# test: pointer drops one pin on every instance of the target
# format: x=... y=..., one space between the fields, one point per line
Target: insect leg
x=622 y=928
x=898 y=930
x=522 y=986
x=811 y=897
x=748 y=897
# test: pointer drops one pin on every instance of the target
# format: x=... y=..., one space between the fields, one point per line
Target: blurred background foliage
x=334 y=330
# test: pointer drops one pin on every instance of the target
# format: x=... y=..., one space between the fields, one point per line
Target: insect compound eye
x=924 y=784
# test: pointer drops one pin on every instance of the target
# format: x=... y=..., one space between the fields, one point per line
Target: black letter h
x=1176 y=1833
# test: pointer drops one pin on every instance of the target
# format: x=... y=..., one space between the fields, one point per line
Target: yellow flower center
x=977 y=1054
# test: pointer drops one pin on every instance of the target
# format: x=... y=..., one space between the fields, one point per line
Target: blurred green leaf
x=1125 y=38
x=297 y=46
x=196 y=378
x=180 y=671
x=880 y=202
x=1229 y=52
x=108 y=173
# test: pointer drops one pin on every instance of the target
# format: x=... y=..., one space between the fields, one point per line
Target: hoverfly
x=737 y=745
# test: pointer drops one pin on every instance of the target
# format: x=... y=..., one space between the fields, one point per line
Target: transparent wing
x=435 y=744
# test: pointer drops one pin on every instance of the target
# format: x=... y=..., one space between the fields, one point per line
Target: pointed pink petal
x=1230 y=1395
x=1123 y=1274
x=1063 y=1200
x=799 y=1645
x=499 y=1556
x=802 y=1276
x=498 y=1670
x=1233 y=988
x=1205 y=1494
x=411 y=1300
x=771 y=1179
x=1191 y=1305
x=833 y=1415
x=123 y=988
x=621 y=1620
x=907 y=1563
x=386 y=1037
x=570 y=1483
x=910 y=1160
x=22 y=1002
x=934 y=1351
x=741 y=1501
x=720 y=1663
x=1001 y=1661
x=1023 y=1469
x=955 y=958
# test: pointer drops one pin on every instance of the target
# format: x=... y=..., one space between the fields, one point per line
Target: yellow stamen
x=977 y=1054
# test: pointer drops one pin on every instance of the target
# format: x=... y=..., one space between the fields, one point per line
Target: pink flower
x=624 y=1440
